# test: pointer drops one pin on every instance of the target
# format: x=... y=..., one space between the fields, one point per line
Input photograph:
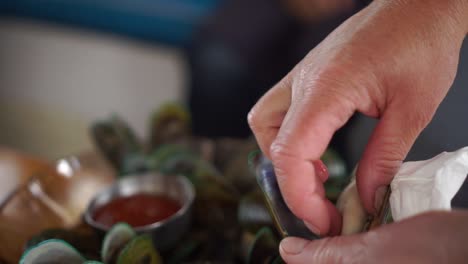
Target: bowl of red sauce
x=152 y=203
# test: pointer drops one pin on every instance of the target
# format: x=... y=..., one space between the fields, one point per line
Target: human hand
x=394 y=60
x=436 y=237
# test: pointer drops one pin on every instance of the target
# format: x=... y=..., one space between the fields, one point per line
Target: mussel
x=117 y=237
x=355 y=217
x=52 y=251
x=115 y=139
x=170 y=124
x=286 y=222
x=139 y=250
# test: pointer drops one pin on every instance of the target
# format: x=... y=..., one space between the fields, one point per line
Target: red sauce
x=136 y=210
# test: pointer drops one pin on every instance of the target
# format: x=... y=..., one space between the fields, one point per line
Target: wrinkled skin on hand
x=394 y=60
x=436 y=237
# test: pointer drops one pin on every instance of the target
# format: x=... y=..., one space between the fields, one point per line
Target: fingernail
x=312 y=228
x=379 y=196
x=293 y=245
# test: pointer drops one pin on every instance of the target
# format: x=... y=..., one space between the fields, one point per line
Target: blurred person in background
x=245 y=48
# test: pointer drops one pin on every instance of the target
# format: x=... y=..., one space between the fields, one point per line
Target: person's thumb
x=388 y=146
x=342 y=249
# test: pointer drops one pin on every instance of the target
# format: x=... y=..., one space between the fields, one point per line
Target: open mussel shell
x=384 y=213
x=286 y=222
x=355 y=218
x=139 y=250
x=354 y=215
x=52 y=251
x=117 y=237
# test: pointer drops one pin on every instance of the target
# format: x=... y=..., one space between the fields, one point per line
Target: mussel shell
x=139 y=250
x=117 y=237
x=52 y=251
x=170 y=123
x=115 y=139
x=286 y=222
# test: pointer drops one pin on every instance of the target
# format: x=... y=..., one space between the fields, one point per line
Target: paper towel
x=427 y=185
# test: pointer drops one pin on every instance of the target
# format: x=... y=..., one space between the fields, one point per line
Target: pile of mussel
x=231 y=220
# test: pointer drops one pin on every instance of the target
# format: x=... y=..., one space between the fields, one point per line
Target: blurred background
x=65 y=64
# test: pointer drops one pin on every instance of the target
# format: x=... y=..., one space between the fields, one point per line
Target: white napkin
x=427 y=185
